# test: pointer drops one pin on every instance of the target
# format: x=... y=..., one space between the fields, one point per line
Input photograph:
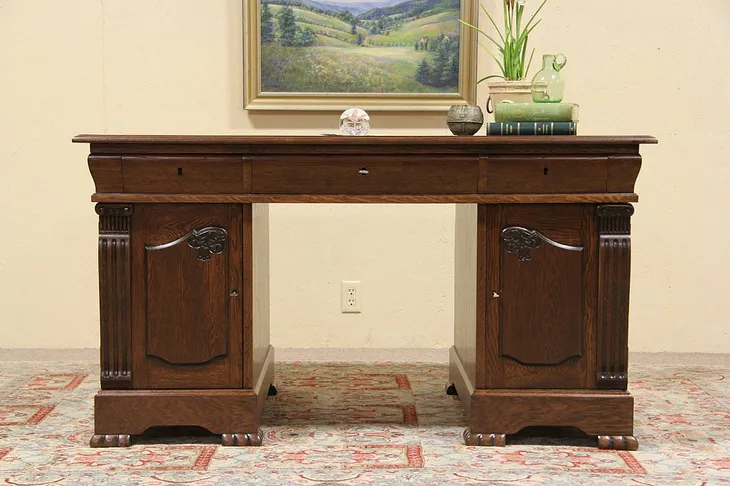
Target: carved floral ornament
x=210 y=240
x=522 y=240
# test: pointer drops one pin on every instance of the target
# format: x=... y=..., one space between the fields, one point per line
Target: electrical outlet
x=351 y=296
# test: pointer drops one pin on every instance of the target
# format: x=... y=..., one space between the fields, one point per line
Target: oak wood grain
x=541 y=307
x=187 y=328
x=367 y=199
x=106 y=172
x=466 y=272
x=221 y=411
x=187 y=304
x=115 y=294
x=614 y=275
x=561 y=375
x=594 y=412
x=134 y=411
x=413 y=145
x=248 y=296
x=460 y=378
x=247 y=186
x=431 y=141
x=365 y=174
x=265 y=379
x=483 y=168
x=546 y=175
x=492 y=371
x=542 y=325
x=484 y=269
x=622 y=172
x=259 y=284
x=170 y=174
x=590 y=295
x=559 y=222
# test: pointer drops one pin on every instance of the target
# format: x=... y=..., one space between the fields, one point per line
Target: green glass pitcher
x=547 y=85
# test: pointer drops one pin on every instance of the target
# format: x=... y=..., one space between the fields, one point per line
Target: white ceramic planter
x=508 y=91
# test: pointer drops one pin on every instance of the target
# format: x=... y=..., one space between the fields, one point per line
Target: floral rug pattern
x=338 y=423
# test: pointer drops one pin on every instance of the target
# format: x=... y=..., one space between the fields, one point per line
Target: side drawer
x=365 y=175
x=180 y=175
x=545 y=175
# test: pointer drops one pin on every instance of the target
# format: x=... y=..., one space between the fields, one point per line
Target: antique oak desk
x=541 y=279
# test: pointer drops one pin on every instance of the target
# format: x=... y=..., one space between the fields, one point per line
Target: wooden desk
x=542 y=272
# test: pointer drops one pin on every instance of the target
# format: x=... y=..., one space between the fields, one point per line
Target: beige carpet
x=352 y=421
x=359 y=355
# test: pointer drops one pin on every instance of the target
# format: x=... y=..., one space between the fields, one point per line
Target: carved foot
x=272 y=390
x=495 y=440
x=451 y=389
x=242 y=439
x=618 y=442
x=111 y=440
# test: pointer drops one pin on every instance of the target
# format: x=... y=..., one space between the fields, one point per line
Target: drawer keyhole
x=544 y=171
x=179 y=171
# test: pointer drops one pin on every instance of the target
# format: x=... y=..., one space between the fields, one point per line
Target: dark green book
x=532 y=128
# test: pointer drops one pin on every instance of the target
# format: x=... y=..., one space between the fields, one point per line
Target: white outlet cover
x=351 y=297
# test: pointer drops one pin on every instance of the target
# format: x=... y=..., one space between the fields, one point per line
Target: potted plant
x=512 y=53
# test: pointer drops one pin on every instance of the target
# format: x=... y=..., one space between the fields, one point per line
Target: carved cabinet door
x=187 y=296
x=541 y=294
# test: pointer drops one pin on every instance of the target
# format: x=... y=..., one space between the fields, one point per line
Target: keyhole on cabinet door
x=544 y=171
x=179 y=171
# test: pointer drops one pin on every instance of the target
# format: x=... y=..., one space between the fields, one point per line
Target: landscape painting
x=345 y=48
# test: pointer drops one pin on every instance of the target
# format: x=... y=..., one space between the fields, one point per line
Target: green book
x=535 y=112
x=531 y=128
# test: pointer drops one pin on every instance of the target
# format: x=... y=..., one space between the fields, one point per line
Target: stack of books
x=534 y=119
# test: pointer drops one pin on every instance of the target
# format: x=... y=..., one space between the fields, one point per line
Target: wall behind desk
x=174 y=66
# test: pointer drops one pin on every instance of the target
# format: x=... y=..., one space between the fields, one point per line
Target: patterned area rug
x=361 y=424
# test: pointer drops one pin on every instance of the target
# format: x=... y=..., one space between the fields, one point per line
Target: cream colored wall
x=173 y=66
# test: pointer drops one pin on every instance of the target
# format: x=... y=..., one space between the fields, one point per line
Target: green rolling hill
x=410 y=32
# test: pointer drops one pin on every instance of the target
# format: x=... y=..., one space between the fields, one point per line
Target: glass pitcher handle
x=559 y=65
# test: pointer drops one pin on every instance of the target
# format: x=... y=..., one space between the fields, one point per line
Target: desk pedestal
x=541 y=331
x=184 y=292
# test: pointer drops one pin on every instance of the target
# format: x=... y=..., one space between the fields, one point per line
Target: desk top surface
x=366 y=140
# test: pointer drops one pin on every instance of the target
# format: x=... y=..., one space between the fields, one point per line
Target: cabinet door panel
x=187 y=302
x=187 y=274
x=543 y=296
x=541 y=302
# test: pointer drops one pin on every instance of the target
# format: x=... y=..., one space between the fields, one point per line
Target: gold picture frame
x=254 y=98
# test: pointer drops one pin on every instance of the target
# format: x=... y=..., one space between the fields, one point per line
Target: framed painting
x=405 y=55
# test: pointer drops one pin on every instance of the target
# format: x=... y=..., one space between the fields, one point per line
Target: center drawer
x=365 y=175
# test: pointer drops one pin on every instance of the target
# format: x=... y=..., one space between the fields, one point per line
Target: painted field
x=343 y=46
